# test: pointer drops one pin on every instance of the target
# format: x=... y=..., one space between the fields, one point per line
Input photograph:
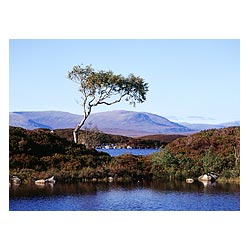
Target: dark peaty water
x=142 y=196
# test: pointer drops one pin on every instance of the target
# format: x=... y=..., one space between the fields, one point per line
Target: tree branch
x=113 y=102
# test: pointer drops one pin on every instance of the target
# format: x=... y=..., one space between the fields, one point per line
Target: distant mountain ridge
x=43 y=119
x=138 y=123
x=122 y=122
x=203 y=126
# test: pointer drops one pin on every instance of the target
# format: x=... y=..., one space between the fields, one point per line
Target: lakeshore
x=40 y=154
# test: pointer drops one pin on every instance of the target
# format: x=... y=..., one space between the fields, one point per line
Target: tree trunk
x=75 y=135
x=77 y=128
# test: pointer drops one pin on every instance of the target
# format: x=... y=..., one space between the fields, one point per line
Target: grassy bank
x=235 y=180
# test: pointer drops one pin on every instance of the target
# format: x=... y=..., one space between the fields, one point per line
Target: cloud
x=201 y=118
x=173 y=117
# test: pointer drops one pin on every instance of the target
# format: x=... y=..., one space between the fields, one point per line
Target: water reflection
x=133 y=196
x=91 y=188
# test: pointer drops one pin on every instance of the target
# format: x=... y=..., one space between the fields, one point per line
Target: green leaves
x=104 y=87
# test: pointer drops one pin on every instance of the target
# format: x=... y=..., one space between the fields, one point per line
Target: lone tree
x=104 y=87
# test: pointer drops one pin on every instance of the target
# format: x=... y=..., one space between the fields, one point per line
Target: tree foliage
x=105 y=87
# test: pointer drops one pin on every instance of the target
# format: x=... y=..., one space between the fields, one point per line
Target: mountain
x=121 y=122
x=135 y=123
x=43 y=119
x=230 y=124
x=203 y=126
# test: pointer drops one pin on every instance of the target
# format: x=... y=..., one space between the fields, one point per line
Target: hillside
x=120 y=122
x=36 y=154
x=43 y=119
x=202 y=126
x=214 y=150
x=221 y=141
x=103 y=138
x=150 y=141
x=161 y=137
x=137 y=123
x=39 y=153
x=153 y=141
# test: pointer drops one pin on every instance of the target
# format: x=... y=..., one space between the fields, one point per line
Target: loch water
x=133 y=196
x=135 y=151
x=157 y=195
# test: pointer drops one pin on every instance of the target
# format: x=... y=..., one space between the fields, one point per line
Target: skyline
x=196 y=81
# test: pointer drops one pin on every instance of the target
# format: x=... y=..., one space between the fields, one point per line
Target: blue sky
x=189 y=80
